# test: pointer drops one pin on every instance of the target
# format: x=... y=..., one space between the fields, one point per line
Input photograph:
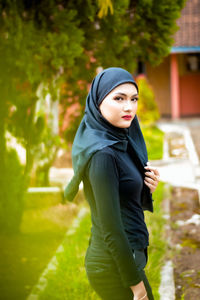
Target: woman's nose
x=127 y=106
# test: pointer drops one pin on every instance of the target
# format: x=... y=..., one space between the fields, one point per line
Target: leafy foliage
x=147 y=108
x=60 y=42
x=135 y=30
x=35 y=46
x=154 y=138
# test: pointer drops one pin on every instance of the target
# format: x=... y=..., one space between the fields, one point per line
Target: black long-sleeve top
x=113 y=186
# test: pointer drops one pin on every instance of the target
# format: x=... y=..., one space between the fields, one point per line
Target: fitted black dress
x=117 y=252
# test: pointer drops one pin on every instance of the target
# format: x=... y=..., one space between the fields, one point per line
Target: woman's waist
x=97 y=240
x=137 y=235
x=98 y=251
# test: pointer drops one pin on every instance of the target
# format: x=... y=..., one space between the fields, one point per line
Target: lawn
x=23 y=256
x=69 y=281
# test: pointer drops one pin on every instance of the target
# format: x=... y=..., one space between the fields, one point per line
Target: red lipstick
x=127 y=117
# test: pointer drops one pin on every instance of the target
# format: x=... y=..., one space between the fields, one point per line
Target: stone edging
x=167 y=285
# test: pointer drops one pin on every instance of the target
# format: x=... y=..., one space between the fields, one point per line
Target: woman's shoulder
x=104 y=156
x=103 y=160
x=104 y=152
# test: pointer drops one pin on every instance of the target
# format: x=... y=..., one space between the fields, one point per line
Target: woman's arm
x=104 y=178
x=139 y=291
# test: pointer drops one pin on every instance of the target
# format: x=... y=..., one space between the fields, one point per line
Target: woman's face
x=120 y=105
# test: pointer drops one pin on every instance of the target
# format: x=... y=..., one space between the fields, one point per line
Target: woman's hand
x=152 y=177
x=139 y=291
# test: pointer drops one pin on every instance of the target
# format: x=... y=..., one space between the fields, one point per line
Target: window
x=193 y=62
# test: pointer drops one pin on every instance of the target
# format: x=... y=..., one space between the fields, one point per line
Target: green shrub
x=154 y=139
x=147 y=107
x=11 y=206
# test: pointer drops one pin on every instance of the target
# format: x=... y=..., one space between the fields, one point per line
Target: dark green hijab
x=95 y=132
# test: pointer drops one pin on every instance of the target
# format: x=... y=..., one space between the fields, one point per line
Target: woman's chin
x=125 y=124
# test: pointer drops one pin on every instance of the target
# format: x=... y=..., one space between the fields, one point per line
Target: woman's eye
x=135 y=99
x=118 y=98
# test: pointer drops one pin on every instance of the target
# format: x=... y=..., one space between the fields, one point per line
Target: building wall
x=189 y=82
x=159 y=78
x=189 y=86
x=190 y=94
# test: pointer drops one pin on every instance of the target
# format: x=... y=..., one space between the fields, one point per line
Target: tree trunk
x=29 y=144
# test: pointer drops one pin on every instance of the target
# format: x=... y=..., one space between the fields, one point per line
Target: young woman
x=109 y=155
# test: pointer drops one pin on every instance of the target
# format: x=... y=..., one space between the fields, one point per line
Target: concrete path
x=177 y=171
x=60 y=175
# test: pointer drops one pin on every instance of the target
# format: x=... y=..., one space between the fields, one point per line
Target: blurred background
x=49 y=53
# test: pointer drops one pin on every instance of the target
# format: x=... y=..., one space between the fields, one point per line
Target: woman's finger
x=151 y=183
x=150 y=186
x=152 y=175
x=156 y=172
x=150 y=180
x=153 y=170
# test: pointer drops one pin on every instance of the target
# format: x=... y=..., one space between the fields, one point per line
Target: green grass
x=157 y=249
x=24 y=256
x=154 y=140
x=70 y=281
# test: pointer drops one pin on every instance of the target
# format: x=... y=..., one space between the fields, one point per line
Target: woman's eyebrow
x=118 y=93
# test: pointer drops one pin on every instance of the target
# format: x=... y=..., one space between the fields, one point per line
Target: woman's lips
x=127 y=117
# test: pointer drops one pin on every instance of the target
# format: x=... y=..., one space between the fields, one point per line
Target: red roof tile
x=189 y=33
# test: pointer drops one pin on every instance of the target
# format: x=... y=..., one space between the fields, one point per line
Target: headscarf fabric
x=95 y=132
